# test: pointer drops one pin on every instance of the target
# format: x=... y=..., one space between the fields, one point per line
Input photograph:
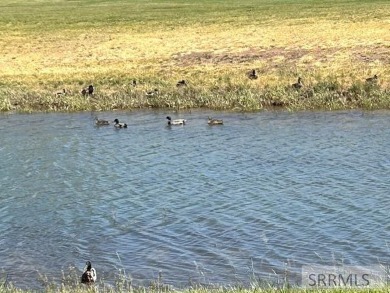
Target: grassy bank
x=70 y=283
x=47 y=46
x=121 y=282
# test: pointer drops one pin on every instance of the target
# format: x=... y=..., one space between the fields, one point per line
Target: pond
x=255 y=198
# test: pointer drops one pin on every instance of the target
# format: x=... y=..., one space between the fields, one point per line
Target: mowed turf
x=46 y=46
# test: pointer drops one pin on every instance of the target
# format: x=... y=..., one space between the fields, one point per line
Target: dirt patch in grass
x=361 y=54
x=371 y=54
x=247 y=56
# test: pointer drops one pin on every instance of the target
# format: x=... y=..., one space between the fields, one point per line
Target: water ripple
x=264 y=193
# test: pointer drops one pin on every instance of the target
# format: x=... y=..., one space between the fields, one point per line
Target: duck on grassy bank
x=89 y=274
x=61 y=93
x=119 y=124
x=298 y=84
x=252 y=74
x=181 y=83
x=373 y=79
x=152 y=93
x=212 y=121
x=176 y=121
x=89 y=90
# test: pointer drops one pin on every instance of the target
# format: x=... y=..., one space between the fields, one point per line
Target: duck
x=176 y=121
x=152 y=93
x=181 y=83
x=89 y=275
x=252 y=74
x=212 y=121
x=100 y=122
x=119 y=125
x=298 y=84
x=373 y=79
x=61 y=93
x=90 y=89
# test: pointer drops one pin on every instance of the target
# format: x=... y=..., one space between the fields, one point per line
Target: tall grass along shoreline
x=225 y=95
x=212 y=45
x=120 y=281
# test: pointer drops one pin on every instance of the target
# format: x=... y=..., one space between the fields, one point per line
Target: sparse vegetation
x=70 y=282
x=156 y=288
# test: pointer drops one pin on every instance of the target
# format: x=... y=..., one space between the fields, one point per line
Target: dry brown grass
x=346 y=43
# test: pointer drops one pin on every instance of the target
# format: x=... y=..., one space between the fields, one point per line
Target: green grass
x=59 y=15
x=48 y=45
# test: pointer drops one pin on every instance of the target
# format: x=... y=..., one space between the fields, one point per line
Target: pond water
x=255 y=198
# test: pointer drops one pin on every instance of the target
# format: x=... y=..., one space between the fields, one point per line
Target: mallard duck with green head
x=176 y=121
x=119 y=124
x=89 y=274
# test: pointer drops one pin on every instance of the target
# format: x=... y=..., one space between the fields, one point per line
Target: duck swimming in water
x=89 y=275
x=101 y=122
x=119 y=124
x=176 y=121
x=212 y=121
